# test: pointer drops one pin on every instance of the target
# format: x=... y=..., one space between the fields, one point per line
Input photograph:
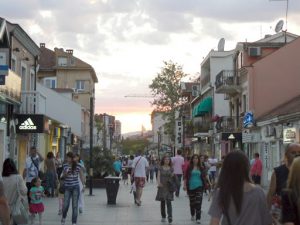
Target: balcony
x=12 y=88
x=227 y=82
x=201 y=125
x=229 y=124
x=53 y=105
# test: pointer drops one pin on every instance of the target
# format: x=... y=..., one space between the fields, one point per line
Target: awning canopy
x=205 y=106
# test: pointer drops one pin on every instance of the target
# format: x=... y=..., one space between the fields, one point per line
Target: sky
x=126 y=41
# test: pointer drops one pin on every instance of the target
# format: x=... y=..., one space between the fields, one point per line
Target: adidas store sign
x=30 y=123
x=27 y=125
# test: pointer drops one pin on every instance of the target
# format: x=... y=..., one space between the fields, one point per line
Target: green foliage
x=102 y=161
x=165 y=88
x=131 y=146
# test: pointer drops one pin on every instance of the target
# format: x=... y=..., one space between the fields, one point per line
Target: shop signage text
x=30 y=123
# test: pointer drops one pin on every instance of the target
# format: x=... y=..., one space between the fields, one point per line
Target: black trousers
x=195 y=197
x=29 y=186
x=163 y=208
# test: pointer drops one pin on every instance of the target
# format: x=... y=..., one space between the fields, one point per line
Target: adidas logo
x=27 y=125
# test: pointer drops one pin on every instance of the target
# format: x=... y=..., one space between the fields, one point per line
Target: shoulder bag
x=19 y=210
x=41 y=175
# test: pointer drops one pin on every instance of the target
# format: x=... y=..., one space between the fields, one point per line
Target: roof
x=47 y=61
x=292 y=106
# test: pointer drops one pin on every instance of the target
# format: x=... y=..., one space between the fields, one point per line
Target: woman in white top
x=11 y=181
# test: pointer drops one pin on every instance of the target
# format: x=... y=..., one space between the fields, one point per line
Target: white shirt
x=213 y=162
x=31 y=170
x=139 y=165
x=10 y=187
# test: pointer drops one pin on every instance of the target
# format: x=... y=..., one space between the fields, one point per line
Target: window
x=244 y=103
x=50 y=82
x=23 y=78
x=13 y=64
x=80 y=84
x=62 y=61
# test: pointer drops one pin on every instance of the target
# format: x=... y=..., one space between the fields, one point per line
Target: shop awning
x=205 y=106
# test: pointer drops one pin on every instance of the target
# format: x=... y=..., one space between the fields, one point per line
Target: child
x=36 y=205
x=61 y=192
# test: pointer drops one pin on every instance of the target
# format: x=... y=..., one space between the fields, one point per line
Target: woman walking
x=291 y=196
x=193 y=183
x=12 y=181
x=51 y=175
x=81 y=183
x=237 y=200
x=72 y=172
x=165 y=195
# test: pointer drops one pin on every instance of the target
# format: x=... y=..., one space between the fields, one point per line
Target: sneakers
x=193 y=218
x=170 y=220
x=63 y=221
x=198 y=221
x=163 y=220
x=80 y=210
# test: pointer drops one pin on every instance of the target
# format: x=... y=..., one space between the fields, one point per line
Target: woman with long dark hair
x=12 y=181
x=237 y=200
x=165 y=195
x=51 y=175
x=291 y=196
x=194 y=181
x=72 y=172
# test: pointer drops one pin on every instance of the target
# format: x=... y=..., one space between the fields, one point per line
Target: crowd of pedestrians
x=21 y=197
x=233 y=184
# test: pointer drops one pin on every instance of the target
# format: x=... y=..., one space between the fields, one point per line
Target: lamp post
x=91 y=144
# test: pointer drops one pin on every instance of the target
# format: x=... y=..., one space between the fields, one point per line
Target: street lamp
x=91 y=144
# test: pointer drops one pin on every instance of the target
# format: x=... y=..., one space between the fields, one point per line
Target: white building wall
x=60 y=108
x=221 y=106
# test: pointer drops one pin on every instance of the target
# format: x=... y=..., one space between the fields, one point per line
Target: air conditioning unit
x=254 y=51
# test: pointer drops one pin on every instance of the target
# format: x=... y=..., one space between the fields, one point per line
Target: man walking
x=256 y=169
x=178 y=162
x=139 y=167
x=32 y=166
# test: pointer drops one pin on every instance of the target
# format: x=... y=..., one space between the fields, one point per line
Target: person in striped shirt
x=72 y=171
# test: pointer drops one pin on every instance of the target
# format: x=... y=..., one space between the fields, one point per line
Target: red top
x=256 y=168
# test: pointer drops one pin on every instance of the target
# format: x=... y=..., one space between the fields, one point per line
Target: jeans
x=179 y=176
x=50 y=181
x=163 y=208
x=71 y=192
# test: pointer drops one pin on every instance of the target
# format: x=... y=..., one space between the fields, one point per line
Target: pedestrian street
x=125 y=212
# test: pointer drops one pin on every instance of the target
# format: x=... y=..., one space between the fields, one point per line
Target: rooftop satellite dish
x=221 y=45
x=279 y=26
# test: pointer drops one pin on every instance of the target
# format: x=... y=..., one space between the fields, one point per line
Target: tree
x=165 y=88
x=131 y=146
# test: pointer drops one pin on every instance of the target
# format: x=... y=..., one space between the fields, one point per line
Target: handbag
x=19 y=210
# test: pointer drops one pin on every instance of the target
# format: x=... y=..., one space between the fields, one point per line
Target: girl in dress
x=165 y=194
x=36 y=205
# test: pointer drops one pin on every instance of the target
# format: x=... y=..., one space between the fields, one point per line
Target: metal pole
x=91 y=144
x=183 y=133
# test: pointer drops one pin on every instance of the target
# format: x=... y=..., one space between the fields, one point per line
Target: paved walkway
x=97 y=212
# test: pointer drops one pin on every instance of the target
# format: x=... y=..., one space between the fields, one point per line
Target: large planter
x=97 y=183
x=112 y=187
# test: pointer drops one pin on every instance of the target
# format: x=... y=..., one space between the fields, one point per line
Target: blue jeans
x=50 y=182
x=179 y=176
x=71 y=192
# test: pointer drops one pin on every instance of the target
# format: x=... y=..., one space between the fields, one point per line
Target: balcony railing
x=202 y=126
x=229 y=124
x=227 y=82
x=33 y=102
